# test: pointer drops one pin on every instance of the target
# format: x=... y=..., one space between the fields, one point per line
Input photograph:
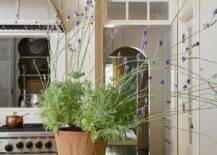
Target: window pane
x=159 y=10
x=137 y=10
x=116 y=10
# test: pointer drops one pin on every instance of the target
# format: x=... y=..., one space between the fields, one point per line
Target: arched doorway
x=115 y=68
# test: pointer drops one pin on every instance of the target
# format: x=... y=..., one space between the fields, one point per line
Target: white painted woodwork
x=27 y=12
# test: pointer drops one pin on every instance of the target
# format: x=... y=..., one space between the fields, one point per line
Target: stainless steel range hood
x=29 y=15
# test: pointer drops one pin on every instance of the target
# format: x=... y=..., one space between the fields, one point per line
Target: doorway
x=115 y=68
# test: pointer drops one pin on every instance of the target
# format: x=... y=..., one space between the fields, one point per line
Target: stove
x=28 y=139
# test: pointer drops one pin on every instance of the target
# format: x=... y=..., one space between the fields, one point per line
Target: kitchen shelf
x=34 y=57
x=34 y=75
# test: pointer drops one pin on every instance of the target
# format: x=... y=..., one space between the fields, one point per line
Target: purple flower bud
x=68 y=17
x=78 y=23
x=79 y=41
x=77 y=13
x=183 y=59
x=162 y=81
x=89 y=2
x=150 y=77
x=142 y=110
x=195 y=44
x=167 y=62
x=188 y=81
x=144 y=44
x=185 y=86
x=161 y=43
x=187 y=48
x=139 y=56
x=144 y=32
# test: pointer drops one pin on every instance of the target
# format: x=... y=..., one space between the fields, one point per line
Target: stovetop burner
x=25 y=128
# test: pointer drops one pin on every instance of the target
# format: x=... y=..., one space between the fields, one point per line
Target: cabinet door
x=5 y=72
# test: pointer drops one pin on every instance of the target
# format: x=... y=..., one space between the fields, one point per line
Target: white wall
x=208 y=48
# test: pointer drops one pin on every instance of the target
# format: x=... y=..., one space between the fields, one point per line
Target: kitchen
x=26 y=39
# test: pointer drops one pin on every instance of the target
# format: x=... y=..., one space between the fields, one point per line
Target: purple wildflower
x=195 y=44
x=188 y=81
x=78 y=23
x=150 y=77
x=183 y=59
x=79 y=41
x=144 y=32
x=142 y=110
x=68 y=17
x=167 y=62
x=187 y=48
x=161 y=43
x=162 y=81
x=139 y=56
x=114 y=31
x=144 y=44
x=77 y=13
x=185 y=86
x=89 y=2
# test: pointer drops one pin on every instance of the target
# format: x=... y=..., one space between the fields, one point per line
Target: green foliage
x=105 y=112
x=61 y=103
x=109 y=112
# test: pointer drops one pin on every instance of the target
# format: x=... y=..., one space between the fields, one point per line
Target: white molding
x=112 y=23
x=196 y=114
x=24 y=33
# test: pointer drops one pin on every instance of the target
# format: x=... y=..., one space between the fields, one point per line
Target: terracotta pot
x=78 y=143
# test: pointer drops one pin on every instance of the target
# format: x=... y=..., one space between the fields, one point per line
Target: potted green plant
x=84 y=118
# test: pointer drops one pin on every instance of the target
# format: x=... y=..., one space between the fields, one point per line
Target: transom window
x=138 y=10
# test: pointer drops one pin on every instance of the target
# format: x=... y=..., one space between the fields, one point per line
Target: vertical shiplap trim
x=148 y=10
x=177 y=82
x=127 y=10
